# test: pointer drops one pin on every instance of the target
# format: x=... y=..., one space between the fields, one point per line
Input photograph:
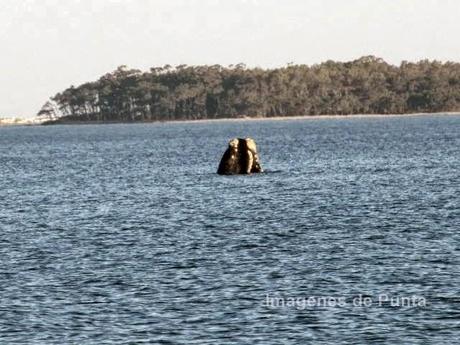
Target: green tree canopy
x=367 y=85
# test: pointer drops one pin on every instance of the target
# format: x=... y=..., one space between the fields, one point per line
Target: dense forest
x=368 y=85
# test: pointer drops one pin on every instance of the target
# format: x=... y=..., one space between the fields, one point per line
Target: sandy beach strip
x=310 y=117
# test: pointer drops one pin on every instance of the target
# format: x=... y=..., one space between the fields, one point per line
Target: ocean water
x=124 y=234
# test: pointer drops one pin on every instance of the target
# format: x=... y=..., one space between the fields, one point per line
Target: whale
x=241 y=157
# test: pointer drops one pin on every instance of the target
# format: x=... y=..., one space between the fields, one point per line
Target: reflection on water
x=117 y=234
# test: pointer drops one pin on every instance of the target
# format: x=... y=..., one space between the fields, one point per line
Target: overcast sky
x=48 y=45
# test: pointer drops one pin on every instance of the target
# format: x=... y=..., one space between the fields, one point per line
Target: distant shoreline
x=311 y=117
x=239 y=119
x=254 y=119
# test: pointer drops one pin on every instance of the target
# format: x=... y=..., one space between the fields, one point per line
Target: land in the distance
x=39 y=121
x=368 y=85
x=17 y=121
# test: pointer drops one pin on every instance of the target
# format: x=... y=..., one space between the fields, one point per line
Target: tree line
x=367 y=85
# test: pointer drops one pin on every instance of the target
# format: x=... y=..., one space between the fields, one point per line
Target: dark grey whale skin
x=241 y=157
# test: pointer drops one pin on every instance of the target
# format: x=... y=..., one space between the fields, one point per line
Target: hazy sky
x=48 y=45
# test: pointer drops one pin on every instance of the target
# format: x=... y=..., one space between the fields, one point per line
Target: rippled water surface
x=124 y=234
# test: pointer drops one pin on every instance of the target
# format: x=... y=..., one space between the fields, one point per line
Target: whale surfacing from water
x=241 y=157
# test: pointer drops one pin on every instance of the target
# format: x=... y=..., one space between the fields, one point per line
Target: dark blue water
x=124 y=234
